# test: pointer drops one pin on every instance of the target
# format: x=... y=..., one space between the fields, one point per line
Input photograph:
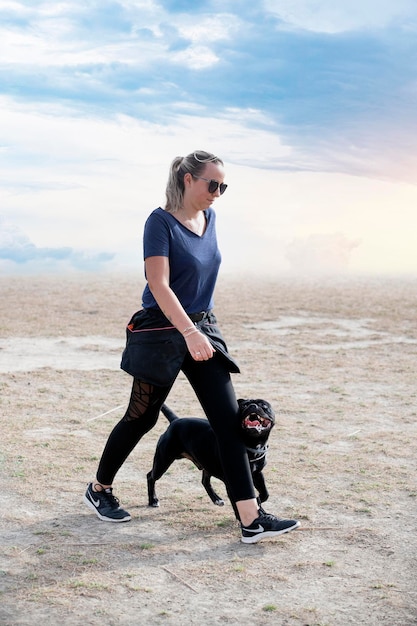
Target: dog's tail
x=169 y=414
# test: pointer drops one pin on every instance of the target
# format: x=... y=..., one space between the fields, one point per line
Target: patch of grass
x=239 y=567
x=337 y=390
x=81 y=584
x=224 y=522
x=269 y=608
x=19 y=471
x=139 y=588
x=363 y=510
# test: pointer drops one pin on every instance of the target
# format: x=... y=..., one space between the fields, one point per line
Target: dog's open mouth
x=254 y=421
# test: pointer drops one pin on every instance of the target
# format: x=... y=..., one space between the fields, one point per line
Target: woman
x=176 y=330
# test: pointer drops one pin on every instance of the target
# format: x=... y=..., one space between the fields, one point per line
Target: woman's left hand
x=199 y=346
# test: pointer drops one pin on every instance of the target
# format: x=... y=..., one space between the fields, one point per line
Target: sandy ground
x=337 y=360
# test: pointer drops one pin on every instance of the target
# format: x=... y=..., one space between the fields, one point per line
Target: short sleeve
x=156 y=235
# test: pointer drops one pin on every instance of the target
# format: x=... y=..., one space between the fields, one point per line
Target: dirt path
x=338 y=362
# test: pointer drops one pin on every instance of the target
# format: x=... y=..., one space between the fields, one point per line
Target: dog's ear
x=240 y=400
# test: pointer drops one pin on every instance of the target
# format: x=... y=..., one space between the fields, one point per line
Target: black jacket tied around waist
x=155 y=350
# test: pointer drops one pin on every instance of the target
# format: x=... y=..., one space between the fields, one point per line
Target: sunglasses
x=213 y=185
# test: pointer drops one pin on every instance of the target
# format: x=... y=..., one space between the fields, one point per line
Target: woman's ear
x=187 y=179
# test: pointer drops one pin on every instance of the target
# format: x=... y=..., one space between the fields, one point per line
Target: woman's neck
x=194 y=220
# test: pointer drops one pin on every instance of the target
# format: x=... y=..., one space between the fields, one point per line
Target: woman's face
x=197 y=190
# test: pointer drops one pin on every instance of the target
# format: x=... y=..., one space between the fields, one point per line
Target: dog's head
x=257 y=419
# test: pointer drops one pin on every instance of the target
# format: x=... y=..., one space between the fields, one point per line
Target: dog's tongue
x=252 y=422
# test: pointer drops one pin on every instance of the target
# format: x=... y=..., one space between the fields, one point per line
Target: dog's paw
x=154 y=502
x=219 y=502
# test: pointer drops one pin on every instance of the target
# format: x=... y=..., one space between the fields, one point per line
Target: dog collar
x=259 y=452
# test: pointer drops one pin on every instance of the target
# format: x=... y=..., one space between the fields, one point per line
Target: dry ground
x=337 y=359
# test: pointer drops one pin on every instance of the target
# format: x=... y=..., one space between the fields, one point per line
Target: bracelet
x=188 y=328
x=195 y=330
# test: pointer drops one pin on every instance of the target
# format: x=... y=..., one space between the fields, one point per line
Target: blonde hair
x=193 y=164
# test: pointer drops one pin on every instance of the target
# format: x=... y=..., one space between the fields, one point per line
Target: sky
x=311 y=104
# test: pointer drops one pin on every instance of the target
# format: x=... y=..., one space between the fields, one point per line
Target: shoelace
x=267 y=516
x=111 y=499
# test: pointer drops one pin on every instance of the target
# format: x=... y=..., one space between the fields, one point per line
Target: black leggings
x=213 y=386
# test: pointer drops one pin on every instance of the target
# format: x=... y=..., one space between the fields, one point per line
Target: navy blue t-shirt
x=194 y=261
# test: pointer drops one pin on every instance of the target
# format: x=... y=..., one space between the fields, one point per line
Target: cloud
x=328 y=16
x=195 y=57
x=342 y=97
x=16 y=248
x=311 y=105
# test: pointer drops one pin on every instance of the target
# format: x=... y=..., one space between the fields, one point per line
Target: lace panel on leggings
x=140 y=400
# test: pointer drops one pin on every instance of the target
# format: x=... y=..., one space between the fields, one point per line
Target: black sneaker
x=105 y=505
x=267 y=525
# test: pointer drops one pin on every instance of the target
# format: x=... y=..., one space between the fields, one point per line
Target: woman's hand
x=199 y=346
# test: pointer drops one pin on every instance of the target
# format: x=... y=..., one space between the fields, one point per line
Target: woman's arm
x=157 y=275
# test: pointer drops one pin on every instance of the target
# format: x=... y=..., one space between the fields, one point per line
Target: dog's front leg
x=205 y=479
x=152 y=497
x=165 y=455
x=259 y=484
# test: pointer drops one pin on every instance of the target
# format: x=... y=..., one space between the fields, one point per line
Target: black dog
x=193 y=438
